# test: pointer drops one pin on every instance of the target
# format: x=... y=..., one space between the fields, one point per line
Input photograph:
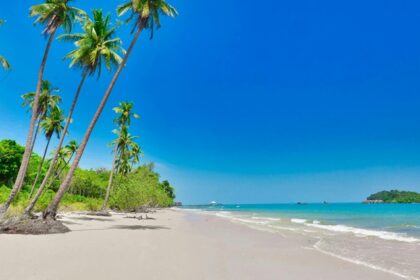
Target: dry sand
x=175 y=245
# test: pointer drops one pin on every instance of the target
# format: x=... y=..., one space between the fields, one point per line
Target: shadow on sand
x=138 y=227
x=91 y=219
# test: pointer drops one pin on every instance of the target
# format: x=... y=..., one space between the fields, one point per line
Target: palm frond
x=4 y=63
x=96 y=46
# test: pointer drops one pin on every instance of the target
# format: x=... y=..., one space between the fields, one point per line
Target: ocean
x=381 y=236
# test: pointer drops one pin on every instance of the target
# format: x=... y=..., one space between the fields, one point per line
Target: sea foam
x=386 y=235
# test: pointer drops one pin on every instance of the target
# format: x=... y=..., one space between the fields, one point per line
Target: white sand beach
x=173 y=245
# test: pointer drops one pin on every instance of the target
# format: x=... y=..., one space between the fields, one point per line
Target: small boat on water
x=214 y=203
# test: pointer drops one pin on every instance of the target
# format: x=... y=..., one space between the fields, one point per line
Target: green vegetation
x=126 y=151
x=94 y=47
x=52 y=15
x=395 y=196
x=10 y=158
x=146 y=16
x=140 y=188
x=136 y=189
x=63 y=183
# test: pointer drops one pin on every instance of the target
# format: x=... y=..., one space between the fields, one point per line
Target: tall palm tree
x=71 y=149
x=125 y=113
x=3 y=61
x=62 y=159
x=145 y=14
x=129 y=154
x=135 y=154
x=65 y=156
x=52 y=124
x=47 y=101
x=97 y=46
x=52 y=14
x=123 y=120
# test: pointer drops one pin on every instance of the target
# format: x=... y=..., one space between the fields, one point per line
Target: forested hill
x=395 y=196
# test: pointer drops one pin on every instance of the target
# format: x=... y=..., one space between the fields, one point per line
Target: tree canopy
x=396 y=196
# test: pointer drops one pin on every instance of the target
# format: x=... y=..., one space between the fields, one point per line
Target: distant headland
x=393 y=196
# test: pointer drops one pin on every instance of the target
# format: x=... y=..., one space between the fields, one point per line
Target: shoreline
x=173 y=244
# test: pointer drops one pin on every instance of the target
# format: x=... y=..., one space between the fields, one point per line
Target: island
x=394 y=196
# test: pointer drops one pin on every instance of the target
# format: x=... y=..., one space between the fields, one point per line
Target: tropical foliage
x=126 y=150
x=10 y=158
x=139 y=188
x=55 y=13
x=145 y=14
x=96 y=46
x=52 y=14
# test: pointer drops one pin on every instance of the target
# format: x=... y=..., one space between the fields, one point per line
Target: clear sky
x=285 y=101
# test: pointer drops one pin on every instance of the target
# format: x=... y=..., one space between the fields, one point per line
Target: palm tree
x=95 y=47
x=52 y=14
x=52 y=124
x=123 y=121
x=135 y=154
x=61 y=161
x=47 y=100
x=129 y=155
x=65 y=156
x=146 y=15
x=71 y=149
x=125 y=113
x=3 y=61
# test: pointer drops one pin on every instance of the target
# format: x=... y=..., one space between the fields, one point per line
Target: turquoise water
x=398 y=218
x=379 y=236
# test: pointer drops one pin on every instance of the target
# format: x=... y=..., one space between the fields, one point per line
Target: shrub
x=139 y=189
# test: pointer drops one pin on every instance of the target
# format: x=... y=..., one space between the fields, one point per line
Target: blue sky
x=289 y=101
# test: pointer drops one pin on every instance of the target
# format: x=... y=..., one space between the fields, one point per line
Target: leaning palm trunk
x=40 y=167
x=51 y=211
x=58 y=172
x=38 y=126
x=32 y=204
x=28 y=147
x=111 y=176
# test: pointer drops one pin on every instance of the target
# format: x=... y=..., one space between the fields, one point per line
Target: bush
x=89 y=183
x=140 y=188
x=10 y=157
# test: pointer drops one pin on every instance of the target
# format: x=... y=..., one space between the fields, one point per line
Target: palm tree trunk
x=28 y=147
x=51 y=211
x=38 y=126
x=40 y=167
x=59 y=172
x=31 y=206
x=108 y=189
